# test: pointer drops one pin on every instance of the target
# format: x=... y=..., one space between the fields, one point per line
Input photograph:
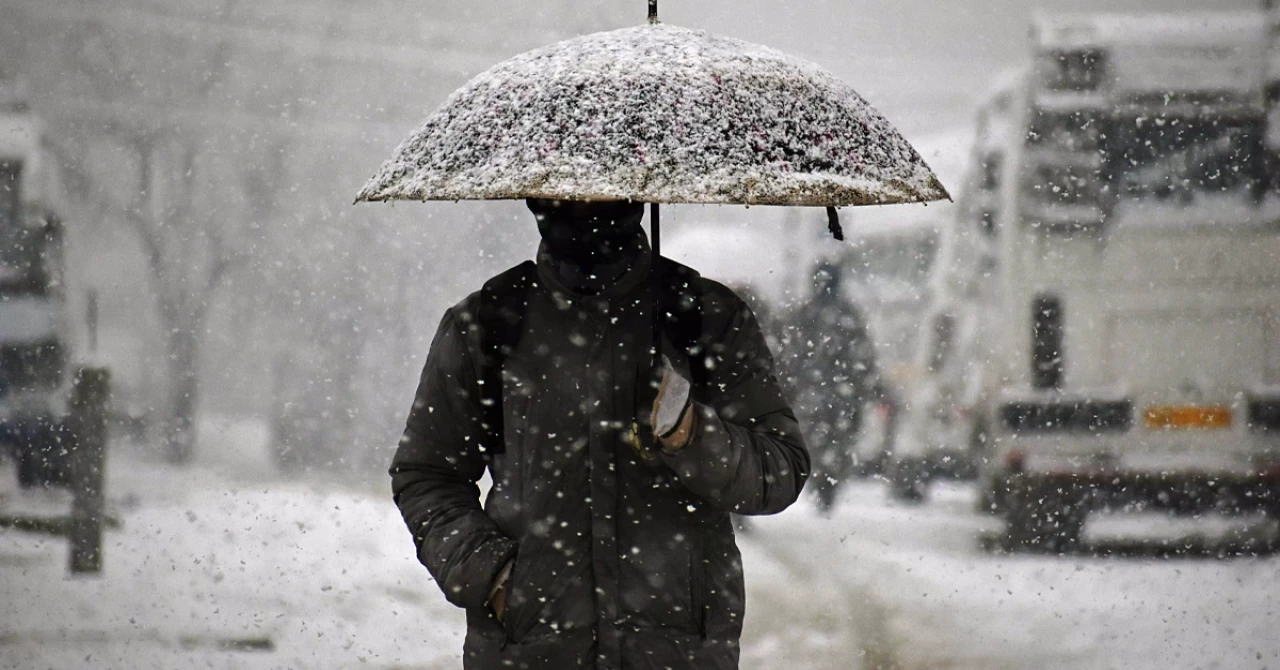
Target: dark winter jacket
x=618 y=562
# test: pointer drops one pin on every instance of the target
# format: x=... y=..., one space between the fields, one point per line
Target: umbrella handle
x=655 y=270
x=833 y=224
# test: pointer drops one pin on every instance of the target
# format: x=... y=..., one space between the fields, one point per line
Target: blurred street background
x=1066 y=451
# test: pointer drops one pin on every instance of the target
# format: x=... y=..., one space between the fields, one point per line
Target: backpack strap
x=503 y=300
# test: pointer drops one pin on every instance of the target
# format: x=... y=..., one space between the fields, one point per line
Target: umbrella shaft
x=655 y=274
x=653 y=11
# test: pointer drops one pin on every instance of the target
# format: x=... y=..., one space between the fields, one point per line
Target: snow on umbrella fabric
x=657 y=114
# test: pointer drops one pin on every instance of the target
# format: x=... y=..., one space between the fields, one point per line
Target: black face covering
x=589 y=234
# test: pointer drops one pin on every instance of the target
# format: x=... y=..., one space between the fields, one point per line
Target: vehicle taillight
x=1269 y=472
x=1016 y=461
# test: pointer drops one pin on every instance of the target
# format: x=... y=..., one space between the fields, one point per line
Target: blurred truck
x=1107 y=324
x=942 y=432
x=887 y=266
x=34 y=347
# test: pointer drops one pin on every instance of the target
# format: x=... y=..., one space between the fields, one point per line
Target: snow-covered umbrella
x=658 y=114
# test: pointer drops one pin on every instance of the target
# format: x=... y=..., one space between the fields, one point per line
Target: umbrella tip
x=937 y=185
x=653 y=12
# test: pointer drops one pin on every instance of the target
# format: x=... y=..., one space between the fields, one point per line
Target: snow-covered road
x=207 y=574
x=236 y=570
x=925 y=595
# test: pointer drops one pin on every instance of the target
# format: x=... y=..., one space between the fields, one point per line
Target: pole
x=653 y=12
x=89 y=436
x=655 y=275
x=91 y=320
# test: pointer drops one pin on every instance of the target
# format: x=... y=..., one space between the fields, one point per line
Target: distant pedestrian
x=831 y=371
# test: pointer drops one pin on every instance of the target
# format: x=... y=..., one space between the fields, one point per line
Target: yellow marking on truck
x=1169 y=417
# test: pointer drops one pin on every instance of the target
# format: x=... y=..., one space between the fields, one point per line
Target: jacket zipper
x=696 y=586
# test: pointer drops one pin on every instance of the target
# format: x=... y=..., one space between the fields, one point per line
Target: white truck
x=34 y=335
x=942 y=432
x=1112 y=282
x=886 y=268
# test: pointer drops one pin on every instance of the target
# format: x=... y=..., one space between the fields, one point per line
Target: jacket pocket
x=533 y=594
x=723 y=586
x=481 y=621
x=510 y=608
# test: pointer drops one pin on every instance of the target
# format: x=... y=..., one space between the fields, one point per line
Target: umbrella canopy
x=657 y=114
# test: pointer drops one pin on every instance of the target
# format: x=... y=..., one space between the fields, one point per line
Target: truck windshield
x=1162 y=156
x=27 y=243
x=23 y=264
x=10 y=196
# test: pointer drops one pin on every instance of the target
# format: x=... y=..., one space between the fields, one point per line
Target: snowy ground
x=223 y=566
x=921 y=593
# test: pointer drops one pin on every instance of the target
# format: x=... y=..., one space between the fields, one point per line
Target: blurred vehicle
x=887 y=270
x=942 y=431
x=34 y=346
x=1107 y=329
x=941 y=435
x=887 y=274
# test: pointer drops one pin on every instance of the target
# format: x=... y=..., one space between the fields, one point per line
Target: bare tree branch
x=135 y=216
x=223 y=262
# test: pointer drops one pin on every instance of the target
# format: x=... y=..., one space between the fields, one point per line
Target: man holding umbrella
x=606 y=538
x=622 y=405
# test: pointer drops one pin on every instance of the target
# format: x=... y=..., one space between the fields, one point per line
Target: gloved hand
x=672 y=417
